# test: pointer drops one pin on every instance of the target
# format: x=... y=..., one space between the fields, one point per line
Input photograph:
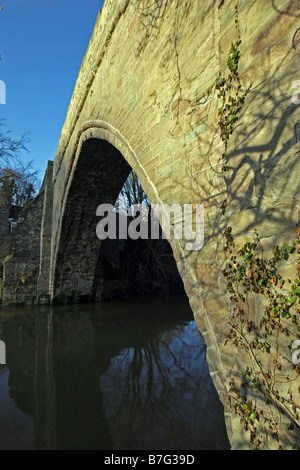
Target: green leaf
x=253 y=416
x=290 y=426
x=287 y=247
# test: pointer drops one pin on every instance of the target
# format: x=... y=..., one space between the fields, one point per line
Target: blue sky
x=42 y=44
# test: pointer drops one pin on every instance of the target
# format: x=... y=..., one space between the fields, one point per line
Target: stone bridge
x=146 y=99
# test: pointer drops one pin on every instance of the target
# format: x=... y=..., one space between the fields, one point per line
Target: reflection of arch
x=2 y=353
x=102 y=162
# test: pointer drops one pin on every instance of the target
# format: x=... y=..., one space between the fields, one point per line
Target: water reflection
x=118 y=375
x=163 y=392
x=16 y=427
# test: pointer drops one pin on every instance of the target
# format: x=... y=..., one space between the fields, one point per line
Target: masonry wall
x=20 y=256
x=45 y=240
x=4 y=224
x=99 y=175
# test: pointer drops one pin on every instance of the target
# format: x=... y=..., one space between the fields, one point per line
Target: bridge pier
x=43 y=281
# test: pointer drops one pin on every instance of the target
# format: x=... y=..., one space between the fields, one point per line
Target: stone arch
x=101 y=133
x=101 y=164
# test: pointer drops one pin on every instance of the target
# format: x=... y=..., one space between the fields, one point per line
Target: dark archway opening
x=88 y=269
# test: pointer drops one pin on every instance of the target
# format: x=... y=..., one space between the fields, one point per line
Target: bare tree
x=17 y=187
x=10 y=148
x=148 y=264
x=131 y=193
x=18 y=180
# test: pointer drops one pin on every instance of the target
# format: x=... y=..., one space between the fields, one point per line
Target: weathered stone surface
x=45 y=238
x=20 y=256
x=4 y=224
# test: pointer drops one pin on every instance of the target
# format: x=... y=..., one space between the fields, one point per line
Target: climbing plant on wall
x=230 y=92
x=271 y=378
x=269 y=339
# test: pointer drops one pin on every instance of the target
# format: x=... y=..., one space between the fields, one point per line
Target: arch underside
x=88 y=269
x=99 y=175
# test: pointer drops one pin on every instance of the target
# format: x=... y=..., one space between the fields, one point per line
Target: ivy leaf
x=292 y=300
x=289 y=427
x=253 y=416
x=287 y=248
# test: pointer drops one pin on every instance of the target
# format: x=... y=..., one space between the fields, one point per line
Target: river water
x=120 y=375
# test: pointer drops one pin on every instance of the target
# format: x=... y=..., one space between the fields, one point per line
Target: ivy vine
x=232 y=101
x=248 y=271
x=270 y=375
